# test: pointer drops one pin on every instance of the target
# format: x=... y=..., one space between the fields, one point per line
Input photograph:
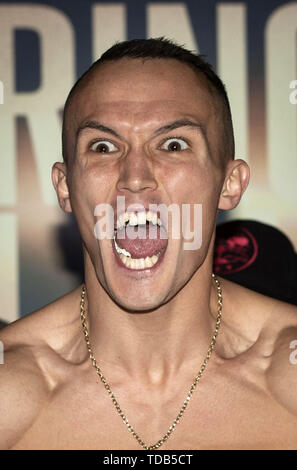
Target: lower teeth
x=136 y=263
x=139 y=263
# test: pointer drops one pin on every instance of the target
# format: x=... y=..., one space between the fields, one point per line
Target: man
x=150 y=122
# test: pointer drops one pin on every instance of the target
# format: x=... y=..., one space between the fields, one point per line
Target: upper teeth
x=137 y=218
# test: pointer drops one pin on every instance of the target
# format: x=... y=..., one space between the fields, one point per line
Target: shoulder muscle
x=282 y=373
x=23 y=390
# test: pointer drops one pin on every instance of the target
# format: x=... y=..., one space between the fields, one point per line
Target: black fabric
x=257 y=256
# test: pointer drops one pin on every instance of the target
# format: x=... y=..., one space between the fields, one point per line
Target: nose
x=136 y=172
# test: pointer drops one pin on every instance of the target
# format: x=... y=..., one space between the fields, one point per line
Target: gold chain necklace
x=193 y=386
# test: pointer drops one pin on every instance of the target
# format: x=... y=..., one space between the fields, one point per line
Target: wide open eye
x=103 y=146
x=175 y=144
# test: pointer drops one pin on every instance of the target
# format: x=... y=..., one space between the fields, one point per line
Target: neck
x=152 y=346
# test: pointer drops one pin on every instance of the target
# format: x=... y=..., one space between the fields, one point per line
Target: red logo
x=234 y=251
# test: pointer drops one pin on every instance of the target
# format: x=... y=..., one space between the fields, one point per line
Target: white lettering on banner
x=172 y=21
x=281 y=64
x=232 y=56
x=42 y=105
x=108 y=26
x=41 y=108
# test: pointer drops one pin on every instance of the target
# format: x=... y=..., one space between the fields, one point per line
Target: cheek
x=197 y=185
x=194 y=183
x=88 y=188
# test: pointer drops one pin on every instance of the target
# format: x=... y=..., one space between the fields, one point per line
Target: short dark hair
x=162 y=48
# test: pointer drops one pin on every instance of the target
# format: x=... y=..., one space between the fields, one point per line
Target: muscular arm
x=282 y=373
x=23 y=391
x=34 y=364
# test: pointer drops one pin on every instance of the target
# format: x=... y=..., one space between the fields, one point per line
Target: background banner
x=46 y=45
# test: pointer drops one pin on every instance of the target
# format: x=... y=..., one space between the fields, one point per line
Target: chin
x=137 y=303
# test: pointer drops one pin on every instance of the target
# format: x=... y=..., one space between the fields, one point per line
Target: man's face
x=159 y=142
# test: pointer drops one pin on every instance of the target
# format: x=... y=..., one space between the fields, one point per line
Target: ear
x=59 y=179
x=235 y=183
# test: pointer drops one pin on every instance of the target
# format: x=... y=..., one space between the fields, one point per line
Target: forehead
x=141 y=92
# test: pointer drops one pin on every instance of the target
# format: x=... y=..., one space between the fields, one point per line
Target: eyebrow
x=98 y=126
x=179 y=123
x=167 y=127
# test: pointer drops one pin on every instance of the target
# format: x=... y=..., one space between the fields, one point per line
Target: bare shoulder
x=273 y=326
x=282 y=372
x=36 y=350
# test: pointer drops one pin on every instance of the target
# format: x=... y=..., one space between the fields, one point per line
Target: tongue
x=147 y=243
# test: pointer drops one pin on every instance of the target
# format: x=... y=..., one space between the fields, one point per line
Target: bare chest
x=220 y=415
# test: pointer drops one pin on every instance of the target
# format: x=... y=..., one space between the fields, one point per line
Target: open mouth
x=140 y=240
